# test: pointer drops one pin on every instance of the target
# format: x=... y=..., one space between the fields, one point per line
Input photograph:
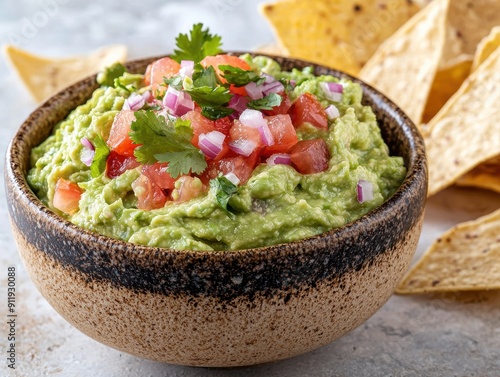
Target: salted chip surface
x=43 y=77
x=404 y=66
x=339 y=34
x=466 y=132
x=465 y=258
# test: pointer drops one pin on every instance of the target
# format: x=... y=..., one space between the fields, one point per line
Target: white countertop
x=454 y=334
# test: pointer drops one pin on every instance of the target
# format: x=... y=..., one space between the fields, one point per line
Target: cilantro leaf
x=168 y=141
x=205 y=76
x=197 y=45
x=108 y=76
x=223 y=189
x=101 y=154
x=266 y=103
x=212 y=100
x=240 y=77
x=175 y=82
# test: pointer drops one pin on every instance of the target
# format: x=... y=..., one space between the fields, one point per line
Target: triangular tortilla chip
x=465 y=258
x=486 y=47
x=466 y=132
x=341 y=34
x=404 y=66
x=485 y=176
x=44 y=77
x=467 y=23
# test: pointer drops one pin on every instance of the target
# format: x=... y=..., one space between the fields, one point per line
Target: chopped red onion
x=171 y=97
x=88 y=152
x=272 y=87
x=187 y=68
x=266 y=135
x=252 y=118
x=364 y=191
x=211 y=143
x=238 y=104
x=232 y=178
x=177 y=102
x=332 y=90
x=279 y=159
x=134 y=102
x=332 y=112
x=243 y=147
x=184 y=104
x=254 y=91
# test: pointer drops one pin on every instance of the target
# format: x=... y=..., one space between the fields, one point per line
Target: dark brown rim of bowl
x=101 y=257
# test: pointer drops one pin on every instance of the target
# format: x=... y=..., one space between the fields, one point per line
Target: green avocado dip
x=259 y=158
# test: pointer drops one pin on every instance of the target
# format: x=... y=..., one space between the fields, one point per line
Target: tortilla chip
x=340 y=34
x=465 y=133
x=467 y=23
x=404 y=66
x=486 y=47
x=485 y=176
x=446 y=82
x=465 y=258
x=44 y=77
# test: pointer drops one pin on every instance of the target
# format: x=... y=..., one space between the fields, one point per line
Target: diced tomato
x=164 y=67
x=307 y=108
x=241 y=166
x=157 y=174
x=67 y=196
x=117 y=164
x=310 y=156
x=119 y=136
x=231 y=60
x=188 y=188
x=149 y=195
x=283 y=132
x=241 y=132
x=223 y=125
x=147 y=74
x=283 y=107
x=200 y=125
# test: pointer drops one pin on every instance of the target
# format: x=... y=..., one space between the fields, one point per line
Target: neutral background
x=452 y=335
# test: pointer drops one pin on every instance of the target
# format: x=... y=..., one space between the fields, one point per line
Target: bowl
x=217 y=309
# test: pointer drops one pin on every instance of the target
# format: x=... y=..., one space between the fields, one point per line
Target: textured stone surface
x=452 y=334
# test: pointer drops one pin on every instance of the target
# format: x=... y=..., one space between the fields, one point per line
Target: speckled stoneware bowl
x=217 y=308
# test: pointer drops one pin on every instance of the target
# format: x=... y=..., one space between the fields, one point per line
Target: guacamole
x=264 y=190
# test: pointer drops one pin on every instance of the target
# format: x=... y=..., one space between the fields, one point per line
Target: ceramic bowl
x=217 y=308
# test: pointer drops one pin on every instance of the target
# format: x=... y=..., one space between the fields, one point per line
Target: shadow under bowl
x=218 y=308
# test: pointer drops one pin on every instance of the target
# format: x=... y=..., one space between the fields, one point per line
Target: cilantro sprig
x=223 y=189
x=101 y=154
x=240 y=77
x=198 y=44
x=208 y=92
x=163 y=140
x=265 y=103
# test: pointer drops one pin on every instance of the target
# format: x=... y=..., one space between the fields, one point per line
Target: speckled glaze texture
x=217 y=308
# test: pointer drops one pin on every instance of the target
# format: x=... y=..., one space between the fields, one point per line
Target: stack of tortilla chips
x=440 y=62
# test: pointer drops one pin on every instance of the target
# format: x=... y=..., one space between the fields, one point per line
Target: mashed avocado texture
x=277 y=204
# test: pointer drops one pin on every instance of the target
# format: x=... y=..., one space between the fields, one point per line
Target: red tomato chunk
x=308 y=109
x=310 y=156
x=67 y=196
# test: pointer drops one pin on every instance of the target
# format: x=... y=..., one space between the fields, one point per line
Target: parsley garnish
x=224 y=189
x=101 y=154
x=266 y=103
x=168 y=141
x=197 y=45
x=240 y=77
